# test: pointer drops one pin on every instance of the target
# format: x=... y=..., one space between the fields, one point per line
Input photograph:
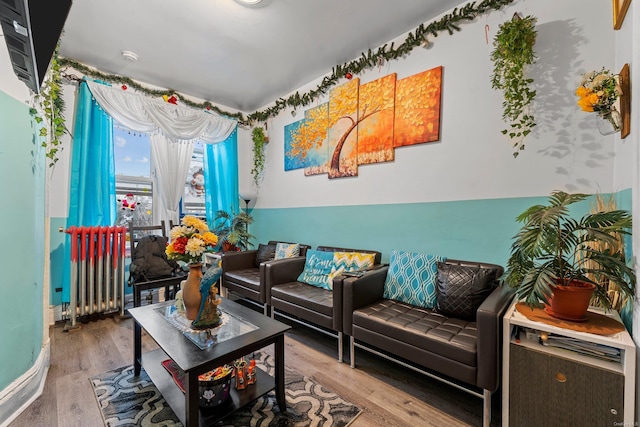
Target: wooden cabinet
x=547 y=386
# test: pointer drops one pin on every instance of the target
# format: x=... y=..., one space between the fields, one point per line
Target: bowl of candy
x=215 y=386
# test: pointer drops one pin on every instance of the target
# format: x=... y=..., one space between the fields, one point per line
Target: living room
x=457 y=196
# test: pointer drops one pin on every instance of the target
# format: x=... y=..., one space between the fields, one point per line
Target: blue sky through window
x=132 y=153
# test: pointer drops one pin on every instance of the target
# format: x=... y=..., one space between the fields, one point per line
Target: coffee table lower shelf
x=151 y=362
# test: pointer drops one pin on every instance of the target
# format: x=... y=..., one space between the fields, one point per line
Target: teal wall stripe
x=474 y=230
x=479 y=230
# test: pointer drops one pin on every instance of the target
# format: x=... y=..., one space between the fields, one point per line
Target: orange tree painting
x=343 y=121
x=375 y=135
x=316 y=124
x=363 y=124
x=417 y=117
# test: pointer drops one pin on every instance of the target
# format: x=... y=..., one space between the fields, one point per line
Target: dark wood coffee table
x=194 y=361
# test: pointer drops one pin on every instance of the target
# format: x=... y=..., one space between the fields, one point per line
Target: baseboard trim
x=21 y=393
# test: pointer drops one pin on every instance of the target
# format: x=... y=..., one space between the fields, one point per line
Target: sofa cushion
x=460 y=290
x=287 y=250
x=265 y=253
x=411 y=278
x=454 y=339
x=311 y=297
x=317 y=268
x=248 y=277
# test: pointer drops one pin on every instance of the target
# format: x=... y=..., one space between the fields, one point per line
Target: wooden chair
x=171 y=284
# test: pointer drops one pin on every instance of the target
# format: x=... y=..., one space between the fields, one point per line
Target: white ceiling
x=240 y=57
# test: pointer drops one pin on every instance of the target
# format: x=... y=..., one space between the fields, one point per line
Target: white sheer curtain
x=172 y=162
x=173 y=129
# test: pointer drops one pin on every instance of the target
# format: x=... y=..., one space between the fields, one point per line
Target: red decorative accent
x=173 y=100
x=208 y=107
x=124 y=87
x=348 y=76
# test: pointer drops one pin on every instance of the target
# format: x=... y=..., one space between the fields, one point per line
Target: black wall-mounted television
x=31 y=30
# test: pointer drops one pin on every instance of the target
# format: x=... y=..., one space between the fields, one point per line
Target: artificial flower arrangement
x=190 y=240
x=599 y=92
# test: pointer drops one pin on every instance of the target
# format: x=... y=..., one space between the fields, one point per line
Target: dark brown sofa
x=449 y=349
x=241 y=275
x=302 y=302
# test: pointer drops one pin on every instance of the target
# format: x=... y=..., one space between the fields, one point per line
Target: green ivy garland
x=513 y=50
x=449 y=22
x=259 y=142
x=52 y=105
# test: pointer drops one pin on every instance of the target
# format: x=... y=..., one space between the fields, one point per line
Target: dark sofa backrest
x=376 y=261
x=303 y=248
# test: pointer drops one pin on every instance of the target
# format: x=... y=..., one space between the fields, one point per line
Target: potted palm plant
x=554 y=262
x=232 y=230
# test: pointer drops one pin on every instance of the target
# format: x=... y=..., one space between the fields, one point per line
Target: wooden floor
x=387 y=394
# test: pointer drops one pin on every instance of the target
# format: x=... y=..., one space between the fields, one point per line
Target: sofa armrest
x=280 y=271
x=489 y=322
x=238 y=260
x=361 y=291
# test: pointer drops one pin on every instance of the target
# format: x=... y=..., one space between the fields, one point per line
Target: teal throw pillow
x=317 y=268
x=412 y=278
x=287 y=250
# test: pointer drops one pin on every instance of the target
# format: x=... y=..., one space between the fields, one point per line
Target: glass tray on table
x=231 y=326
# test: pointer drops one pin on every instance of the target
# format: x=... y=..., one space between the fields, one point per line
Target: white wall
x=473 y=160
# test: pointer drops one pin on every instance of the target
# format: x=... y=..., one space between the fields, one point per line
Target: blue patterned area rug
x=125 y=400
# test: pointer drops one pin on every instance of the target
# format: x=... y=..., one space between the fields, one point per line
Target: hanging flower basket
x=599 y=92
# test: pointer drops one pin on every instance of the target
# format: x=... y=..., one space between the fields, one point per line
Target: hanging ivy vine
x=51 y=106
x=450 y=23
x=259 y=142
x=513 y=51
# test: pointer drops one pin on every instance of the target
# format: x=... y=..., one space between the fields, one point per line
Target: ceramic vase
x=191 y=291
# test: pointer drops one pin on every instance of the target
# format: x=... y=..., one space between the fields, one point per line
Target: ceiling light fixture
x=129 y=56
x=248 y=3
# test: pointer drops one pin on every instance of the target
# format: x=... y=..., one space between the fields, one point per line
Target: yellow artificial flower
x=169 y=250
x=585 y=105
x=192 y=221
x=582 y=91
x=210 y=238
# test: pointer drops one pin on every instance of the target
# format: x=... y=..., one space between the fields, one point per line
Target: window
x=134 y=186
x=193 y=200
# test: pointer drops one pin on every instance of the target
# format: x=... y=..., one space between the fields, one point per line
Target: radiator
x=97 y=271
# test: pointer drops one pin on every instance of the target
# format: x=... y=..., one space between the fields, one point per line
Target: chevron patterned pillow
x=349 y=261
x=411 y=278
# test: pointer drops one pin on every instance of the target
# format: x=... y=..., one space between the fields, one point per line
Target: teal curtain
x=92 y=192
x=221 y=176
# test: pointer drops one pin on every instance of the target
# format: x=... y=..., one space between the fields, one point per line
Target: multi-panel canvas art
x=363 y=124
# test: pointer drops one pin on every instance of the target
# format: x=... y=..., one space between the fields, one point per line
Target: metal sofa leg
x=265 y=309
x=273 y=313
x=340 y=350
x=352 y=351
x=486 y=408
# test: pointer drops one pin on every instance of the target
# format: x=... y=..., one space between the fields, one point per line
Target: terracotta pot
x=229 y=247
x=571 y=302
x=191 y=291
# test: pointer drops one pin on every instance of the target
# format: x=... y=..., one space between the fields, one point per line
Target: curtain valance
x=143 y=114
